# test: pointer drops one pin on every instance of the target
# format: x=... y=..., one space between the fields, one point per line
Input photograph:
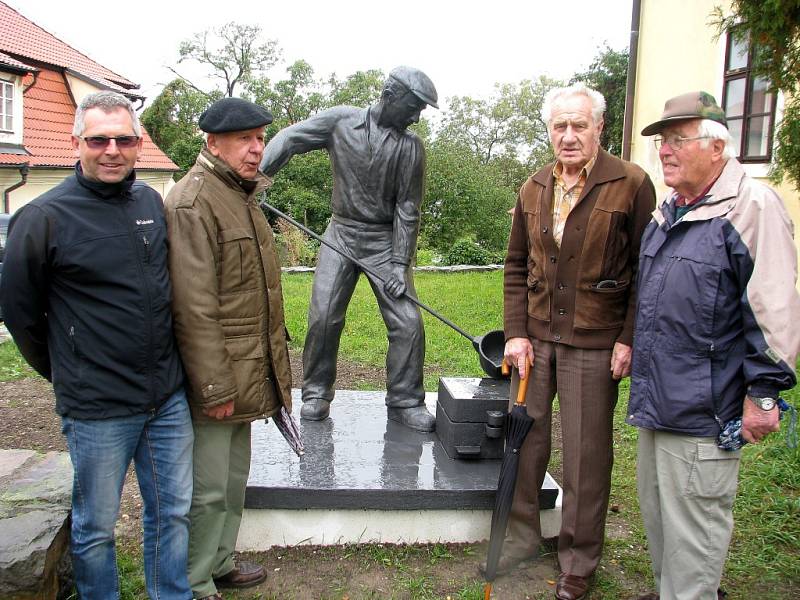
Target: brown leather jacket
x=552 y=294
x=227 y=300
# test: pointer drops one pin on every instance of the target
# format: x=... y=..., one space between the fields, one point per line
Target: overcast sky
x=465 y=47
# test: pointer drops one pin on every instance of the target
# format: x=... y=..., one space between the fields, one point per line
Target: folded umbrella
x=288 y=427
x=518 y=424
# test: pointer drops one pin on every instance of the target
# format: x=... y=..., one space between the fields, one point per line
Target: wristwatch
x=763 y=403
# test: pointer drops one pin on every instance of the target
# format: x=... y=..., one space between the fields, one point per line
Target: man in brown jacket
x=568 y=310
x=228 y=314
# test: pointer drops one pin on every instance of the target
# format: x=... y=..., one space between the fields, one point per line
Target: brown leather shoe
x=571 y=587
x=244 y=575
x=506 y=564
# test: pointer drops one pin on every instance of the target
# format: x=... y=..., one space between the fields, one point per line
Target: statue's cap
x=418 y=83
x=233 y=114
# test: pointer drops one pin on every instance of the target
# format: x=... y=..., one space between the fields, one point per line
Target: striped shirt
x=564 y=198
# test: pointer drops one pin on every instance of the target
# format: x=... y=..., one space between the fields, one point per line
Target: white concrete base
x=263 y=528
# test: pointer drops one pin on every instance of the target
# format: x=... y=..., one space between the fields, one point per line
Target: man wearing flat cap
x=715 y=342
x=228 y=313
x=379 y=175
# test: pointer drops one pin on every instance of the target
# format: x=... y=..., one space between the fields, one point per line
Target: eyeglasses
x=98 y=142
x=675 y=142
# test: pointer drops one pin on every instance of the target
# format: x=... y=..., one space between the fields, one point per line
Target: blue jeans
x=160 y=444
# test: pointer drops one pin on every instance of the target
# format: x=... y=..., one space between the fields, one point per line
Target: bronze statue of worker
x=379 y=175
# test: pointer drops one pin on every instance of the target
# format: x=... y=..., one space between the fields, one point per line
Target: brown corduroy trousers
x=587 y=396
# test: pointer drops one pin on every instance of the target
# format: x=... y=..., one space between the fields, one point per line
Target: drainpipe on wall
x=630 y=88
x=23 y=171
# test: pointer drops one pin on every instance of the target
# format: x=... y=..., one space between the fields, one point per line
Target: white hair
x=712 y=130
x=576 y=89
x=108 y=102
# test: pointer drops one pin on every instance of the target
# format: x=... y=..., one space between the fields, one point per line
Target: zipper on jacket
x=72 y=337
x=148 y=317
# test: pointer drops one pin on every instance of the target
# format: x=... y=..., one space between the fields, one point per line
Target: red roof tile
x=7 y=61
x=47 y=129
x=23 y=39
x=48 y=108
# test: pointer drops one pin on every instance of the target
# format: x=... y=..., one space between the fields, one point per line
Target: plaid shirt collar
x=558 y=171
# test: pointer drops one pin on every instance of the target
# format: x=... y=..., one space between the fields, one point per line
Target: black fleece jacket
x=86 y=295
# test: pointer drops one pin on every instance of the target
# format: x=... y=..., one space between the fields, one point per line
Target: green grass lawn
x=764 y=558
x=473 y=301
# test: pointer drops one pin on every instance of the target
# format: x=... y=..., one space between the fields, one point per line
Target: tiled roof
x=23 y=39
x=7 y=61
x=48 y=108
x=49 y=114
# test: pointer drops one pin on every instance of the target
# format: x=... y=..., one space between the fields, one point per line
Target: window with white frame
x=748 y=102
x=6 y=105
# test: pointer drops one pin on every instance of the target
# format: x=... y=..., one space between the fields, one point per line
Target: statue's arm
x=407 y=208
x=312 y=134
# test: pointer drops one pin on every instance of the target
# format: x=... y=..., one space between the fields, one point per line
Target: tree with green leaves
x=608 y=74
x=171 y=120
x=464 y=198
x=773 y=28
x=290 y=100
x=362 y=88
x=235 y=53
x=507 y=124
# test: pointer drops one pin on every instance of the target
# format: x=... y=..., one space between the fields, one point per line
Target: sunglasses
x=98 y=142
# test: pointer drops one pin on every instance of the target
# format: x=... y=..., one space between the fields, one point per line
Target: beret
x=233 y=114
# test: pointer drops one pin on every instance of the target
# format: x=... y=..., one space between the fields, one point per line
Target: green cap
x=694 y=105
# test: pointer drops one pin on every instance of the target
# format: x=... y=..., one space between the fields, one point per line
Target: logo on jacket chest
x=144 y=221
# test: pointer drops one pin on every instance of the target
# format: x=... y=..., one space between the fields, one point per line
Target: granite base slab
x=364 y=478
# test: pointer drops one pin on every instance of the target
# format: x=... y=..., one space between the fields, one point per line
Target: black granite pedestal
x=360 y=471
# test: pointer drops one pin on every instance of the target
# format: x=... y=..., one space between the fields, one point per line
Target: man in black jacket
x=86 y=296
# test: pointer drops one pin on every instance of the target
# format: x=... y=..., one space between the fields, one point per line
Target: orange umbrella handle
x=505 y=368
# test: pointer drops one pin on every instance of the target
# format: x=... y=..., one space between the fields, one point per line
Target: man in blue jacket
x=716 y=338
x=86 y=296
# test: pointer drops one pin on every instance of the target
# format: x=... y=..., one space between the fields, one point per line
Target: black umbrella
x=518 y=424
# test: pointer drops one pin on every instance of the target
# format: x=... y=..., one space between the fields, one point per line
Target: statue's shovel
x=489 y=347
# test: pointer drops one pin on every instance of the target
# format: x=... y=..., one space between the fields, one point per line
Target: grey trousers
x=686 y=491
x=221 y=468
x=587 y=396
x=334 y=282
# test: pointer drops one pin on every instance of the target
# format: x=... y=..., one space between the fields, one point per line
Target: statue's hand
x=395 y=285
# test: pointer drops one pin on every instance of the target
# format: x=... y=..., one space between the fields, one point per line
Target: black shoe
x=315 y=410
x=416 y=417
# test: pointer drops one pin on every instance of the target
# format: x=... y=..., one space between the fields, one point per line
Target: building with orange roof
x=42 y=80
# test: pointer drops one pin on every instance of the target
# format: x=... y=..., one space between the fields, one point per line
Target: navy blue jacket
x=86 y=296
x=718 y=312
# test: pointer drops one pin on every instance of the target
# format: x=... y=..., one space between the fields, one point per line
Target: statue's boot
x=315 y=409
x=416 y=417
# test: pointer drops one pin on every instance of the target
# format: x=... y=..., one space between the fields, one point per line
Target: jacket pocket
x=601 y=307
x=607 y=238
x=538 y=299
x=237 y=270
x=695 y=285
x=680 y=382
x=249 y=372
